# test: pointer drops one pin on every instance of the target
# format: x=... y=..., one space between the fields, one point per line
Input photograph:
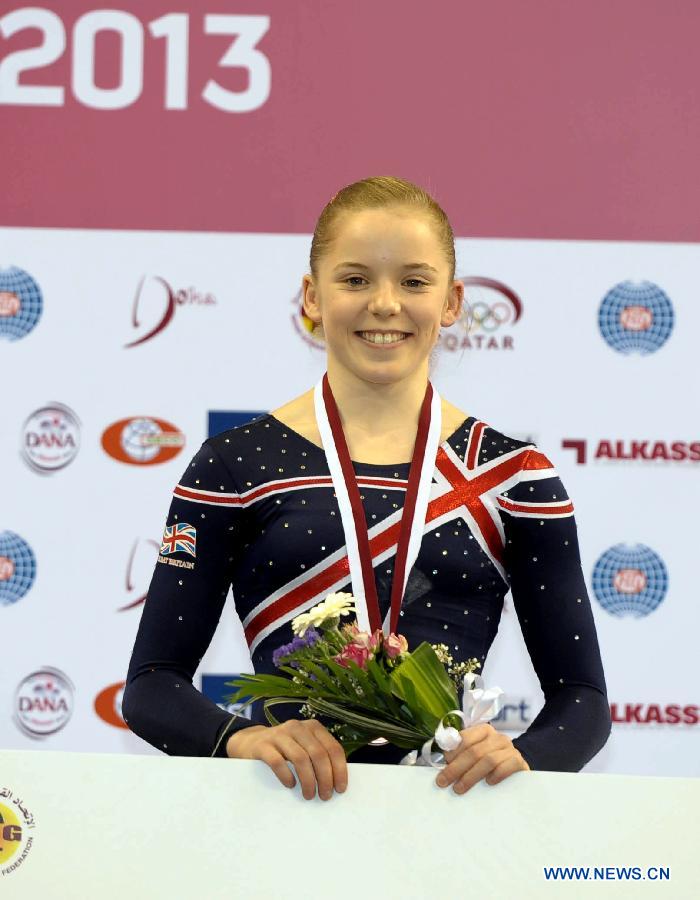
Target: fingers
x=317 y=757
x=311 y=759
x=484 y=753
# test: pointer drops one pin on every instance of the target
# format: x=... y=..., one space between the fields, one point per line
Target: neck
x=374 y=409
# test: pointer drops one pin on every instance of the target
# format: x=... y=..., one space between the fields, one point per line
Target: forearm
x=163 y=708
x=571 y=728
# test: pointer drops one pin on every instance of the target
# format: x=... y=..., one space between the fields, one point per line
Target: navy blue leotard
x=255 y=511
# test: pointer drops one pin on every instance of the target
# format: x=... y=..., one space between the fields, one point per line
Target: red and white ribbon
x=352 y=512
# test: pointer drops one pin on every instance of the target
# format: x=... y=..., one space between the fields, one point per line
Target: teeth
x=377 y=338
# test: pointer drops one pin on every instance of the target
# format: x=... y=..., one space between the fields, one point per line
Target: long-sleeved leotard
x=255 y=510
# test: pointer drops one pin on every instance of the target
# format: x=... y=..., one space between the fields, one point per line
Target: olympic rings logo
x=489 y=317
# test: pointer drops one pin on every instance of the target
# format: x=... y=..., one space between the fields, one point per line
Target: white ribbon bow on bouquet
x=479 y=704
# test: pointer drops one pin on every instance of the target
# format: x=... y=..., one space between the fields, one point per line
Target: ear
x=310 y=299
x=452 y=308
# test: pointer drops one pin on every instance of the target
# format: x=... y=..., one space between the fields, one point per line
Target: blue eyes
x=417 y=282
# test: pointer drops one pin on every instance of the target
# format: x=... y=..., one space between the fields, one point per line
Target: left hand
x=483 y=753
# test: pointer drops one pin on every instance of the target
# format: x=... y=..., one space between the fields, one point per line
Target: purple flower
x=298 y=643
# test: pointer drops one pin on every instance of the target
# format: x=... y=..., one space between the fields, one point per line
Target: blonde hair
x=374 y=193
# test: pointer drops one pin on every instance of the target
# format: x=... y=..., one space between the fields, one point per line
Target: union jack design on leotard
x=462 y=488
x=179 y=538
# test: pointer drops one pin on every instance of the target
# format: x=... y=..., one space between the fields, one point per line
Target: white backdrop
x=235 y=344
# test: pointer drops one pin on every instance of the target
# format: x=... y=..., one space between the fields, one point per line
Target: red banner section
x=545 y=121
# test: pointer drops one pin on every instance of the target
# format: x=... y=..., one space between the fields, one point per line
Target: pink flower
x=366 y=640
x=394 y=645
x=354 y=653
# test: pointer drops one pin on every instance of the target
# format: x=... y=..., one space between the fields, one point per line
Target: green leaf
x=422 y=681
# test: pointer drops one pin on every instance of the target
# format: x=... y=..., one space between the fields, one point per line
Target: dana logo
x=490 y=310
x=16 y=821
x=635 y=317
x=108 y=705
x=155 y=303
x=630 y=580
x=17 y=567
x=139 y=569
x=44 y=702
x=21 y=303
x=50 y=438
x=654 y=713
x=657 y=452
x=142 y=441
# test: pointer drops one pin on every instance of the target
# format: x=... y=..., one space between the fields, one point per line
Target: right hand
x=316 y=755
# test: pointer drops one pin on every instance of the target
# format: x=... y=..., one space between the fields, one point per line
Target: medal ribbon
x=352 y=512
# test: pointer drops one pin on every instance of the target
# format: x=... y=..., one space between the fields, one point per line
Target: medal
x=412 y=517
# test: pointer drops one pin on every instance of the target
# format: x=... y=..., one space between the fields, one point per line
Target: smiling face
x=385 y=271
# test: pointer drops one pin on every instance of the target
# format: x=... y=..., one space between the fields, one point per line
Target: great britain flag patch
x=179 y=538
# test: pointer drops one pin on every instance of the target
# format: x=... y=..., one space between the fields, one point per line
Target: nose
x=384 y=300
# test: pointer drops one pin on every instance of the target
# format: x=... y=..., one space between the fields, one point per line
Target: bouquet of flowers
x=370 y=686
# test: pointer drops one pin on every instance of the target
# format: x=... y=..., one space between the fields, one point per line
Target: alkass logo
x=139 y=569
x=490 y=310
x=654 y=713
x=108 y=705
x=142 y=441
x=155 y=303
x=658 y=452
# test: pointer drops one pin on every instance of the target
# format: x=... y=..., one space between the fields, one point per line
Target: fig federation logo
x=21 y=303
x=50 y=438
x=630 y=580
x=142 y=441
x=16 y=823
x=636 y=317
x=17 y=567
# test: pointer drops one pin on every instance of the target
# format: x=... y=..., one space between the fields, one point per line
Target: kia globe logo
x=636 y=317
x=142 y=441
x=17 y=568
x=44 y=702
x=630 y=580
x=50 y=438
x=21 y=303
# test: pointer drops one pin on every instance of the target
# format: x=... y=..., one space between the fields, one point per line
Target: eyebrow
x=357 y=265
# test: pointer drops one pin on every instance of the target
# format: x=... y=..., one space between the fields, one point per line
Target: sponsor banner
x=218 y=91
x=17 y=567
x=21 y=303
x=44 y=702
x=636 y=317
x=17 y=824
x=630 y=580
x=50 y=438
x=108 y=705
x=618 y=451
x=142 y=441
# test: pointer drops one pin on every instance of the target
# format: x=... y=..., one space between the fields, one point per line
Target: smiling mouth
x=380 y=340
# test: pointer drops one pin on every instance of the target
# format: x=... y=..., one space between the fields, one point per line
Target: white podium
x=95 y=825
